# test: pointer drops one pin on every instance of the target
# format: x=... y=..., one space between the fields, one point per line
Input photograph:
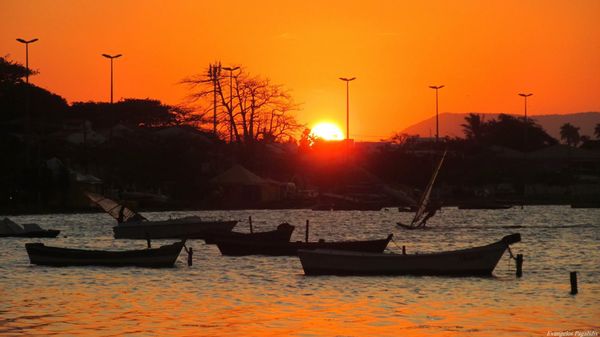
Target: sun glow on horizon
x=327 y=131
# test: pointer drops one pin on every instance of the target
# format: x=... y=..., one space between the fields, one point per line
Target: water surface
x=263 y=296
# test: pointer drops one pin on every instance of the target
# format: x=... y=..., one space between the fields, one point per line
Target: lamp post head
x=525 y=95
x=27 y=42
x=347 y=79
x=436 y=87
x=112 y=56
x=231 y=68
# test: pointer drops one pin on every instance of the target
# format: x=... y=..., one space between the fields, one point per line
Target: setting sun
x=327 y=131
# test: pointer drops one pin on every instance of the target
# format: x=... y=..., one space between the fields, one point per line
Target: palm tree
x=570 y=134
x=473 y=128
x=597 y=130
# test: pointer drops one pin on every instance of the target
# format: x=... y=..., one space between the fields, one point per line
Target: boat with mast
x=132 y=225
x=426 y=208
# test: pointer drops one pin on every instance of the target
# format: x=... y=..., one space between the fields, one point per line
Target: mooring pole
x=573 y=282
x=403 y=250
x=149 y=243
x=306 y=232
x=250 y=221
x=190 y=254
x=519 y=265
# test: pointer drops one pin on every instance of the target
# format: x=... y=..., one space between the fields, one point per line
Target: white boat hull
x=473 y=261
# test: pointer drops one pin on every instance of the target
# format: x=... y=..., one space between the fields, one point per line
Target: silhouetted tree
x=12 y=73
x=474 y=127
x=403 y=139
x=570 y=134
x=597 y=131
x=508 y=131
x=133 y=112
x=18 y=99
x=252 y=109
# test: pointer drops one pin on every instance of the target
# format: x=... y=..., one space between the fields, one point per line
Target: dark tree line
x=508 y=131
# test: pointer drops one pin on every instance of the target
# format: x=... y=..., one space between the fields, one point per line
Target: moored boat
x=164 y=256
x=426 y=207
x=471 y=261
x=236 y=247
x=483 y=204
x=9 y=228
x=283 y=233
x=132 y=225
x=191 y=227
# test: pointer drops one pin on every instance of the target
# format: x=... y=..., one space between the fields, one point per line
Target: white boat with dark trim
x=132 y=225
x=477 y=261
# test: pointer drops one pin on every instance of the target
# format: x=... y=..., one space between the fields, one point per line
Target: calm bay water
x=263 y=296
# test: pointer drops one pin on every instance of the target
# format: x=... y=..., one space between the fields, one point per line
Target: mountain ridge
x=450 y=123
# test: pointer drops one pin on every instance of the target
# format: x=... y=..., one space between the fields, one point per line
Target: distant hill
x=450 y=124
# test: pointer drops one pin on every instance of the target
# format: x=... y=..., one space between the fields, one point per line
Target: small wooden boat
x=483 y=204
x=283 y=233
x=164 y=256
x=183 y=228
x=44 y=233
x=472 y=261
x=585 y=204
x=236 y=247
x=9 y=228
x=132 y=225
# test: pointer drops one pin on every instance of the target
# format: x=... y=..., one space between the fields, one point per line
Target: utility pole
x=437 y=120
x=26 y=43
x=231 y=70
x=111 y=57
x=347 y=80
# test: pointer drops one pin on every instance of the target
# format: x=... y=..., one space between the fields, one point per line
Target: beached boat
x=283 y=233
x=164 y=256
x=236 y=247
x=472 y=261
x=9 y=228
x=132 y=225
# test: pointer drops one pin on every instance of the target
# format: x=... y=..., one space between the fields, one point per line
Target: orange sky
x=485 y=52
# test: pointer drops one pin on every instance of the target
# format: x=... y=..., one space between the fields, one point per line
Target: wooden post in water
x=190 y=254
x=403 y=250
x=519 y=265
x=573 y=282
x=306 y=232
x=149 y=243
x=250 y=221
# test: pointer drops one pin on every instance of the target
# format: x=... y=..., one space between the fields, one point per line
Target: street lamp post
x=26 y=43
x=111 y=57
x=232 y=125
x=437 y=120
x=214 y=71
x=347 y=80
x=525 y=120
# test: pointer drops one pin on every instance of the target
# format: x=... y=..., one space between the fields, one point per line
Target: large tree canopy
x=244 y=108
x=507 y=131
x=133 y=112
x=20 y=101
